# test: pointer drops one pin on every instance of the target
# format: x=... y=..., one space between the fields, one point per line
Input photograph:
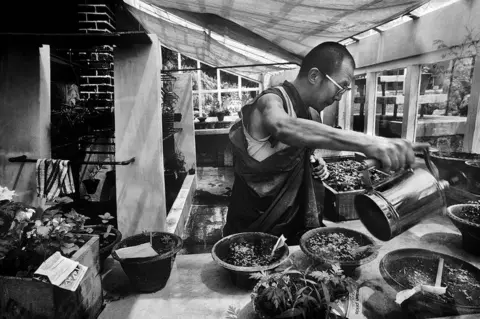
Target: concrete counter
x=200 y=289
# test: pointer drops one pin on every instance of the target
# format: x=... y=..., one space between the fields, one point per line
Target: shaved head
x=328 y=57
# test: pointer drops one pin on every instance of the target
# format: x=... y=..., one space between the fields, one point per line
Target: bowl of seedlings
x=466 y=217
x=336 y=245
x=245 y=253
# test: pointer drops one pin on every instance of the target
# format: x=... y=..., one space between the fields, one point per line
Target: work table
x=200 y=289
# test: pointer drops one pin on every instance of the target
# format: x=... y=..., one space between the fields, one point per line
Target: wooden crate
x=339 y=206
x=28 y=298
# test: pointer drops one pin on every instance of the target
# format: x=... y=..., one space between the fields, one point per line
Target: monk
x=273 y=190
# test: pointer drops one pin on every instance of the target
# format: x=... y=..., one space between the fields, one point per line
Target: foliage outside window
x=207 y=95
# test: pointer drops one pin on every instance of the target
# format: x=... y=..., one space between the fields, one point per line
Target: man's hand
x=394 y=154
x=321 y=171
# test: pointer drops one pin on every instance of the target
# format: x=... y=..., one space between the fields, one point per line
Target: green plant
x=310 y=294
x=106 y=218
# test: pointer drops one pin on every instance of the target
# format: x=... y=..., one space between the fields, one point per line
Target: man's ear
x=314 y=75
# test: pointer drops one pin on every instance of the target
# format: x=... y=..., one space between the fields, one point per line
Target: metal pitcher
x=392 y=206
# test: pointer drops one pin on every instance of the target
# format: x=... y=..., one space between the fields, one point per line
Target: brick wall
x=96 y=84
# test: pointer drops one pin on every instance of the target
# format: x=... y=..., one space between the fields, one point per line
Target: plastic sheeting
x=298 y=25
x=199 y=45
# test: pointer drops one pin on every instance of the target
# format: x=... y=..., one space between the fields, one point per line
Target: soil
x=347 y=176
x=471 y=214
x=248 y=255
x=335 y=246
x=463 y=287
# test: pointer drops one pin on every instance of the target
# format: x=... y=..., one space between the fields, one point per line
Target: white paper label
x=56 y=268
x=62 y=272
x=140 y=251
x=353 y=307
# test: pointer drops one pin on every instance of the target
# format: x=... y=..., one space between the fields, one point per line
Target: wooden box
x=28 y=298
x=339 y=206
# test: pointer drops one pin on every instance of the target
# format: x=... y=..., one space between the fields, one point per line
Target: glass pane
x=231 y=102
x=195 y=102
x=358 y=109
x=188 y=63
x=228 y=80
x=169 y=59
x=390 y=98
x=249 y=84
x=210 y=103
x=209 y=77
x=248 y=96
x=443 y=103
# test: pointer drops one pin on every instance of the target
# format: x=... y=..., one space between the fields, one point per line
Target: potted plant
x=108 y=235
x=301 y=294
x=31 y=241
x=150 y=274
x=169 y=99
x=175 y=174
x=219 y=110
x=466 y=217
x=91 y=183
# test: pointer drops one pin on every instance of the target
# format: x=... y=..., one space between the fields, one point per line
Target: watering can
x=394 y=205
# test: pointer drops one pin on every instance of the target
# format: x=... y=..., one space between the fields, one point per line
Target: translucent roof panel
x=394 y=23
x=432 y=6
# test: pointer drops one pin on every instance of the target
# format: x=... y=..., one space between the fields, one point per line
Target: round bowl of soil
x=106 y=242
x=406 y=268
x=150 y=274
x=336 y=245
x=246 y=253
x=466 y=217
x=473 y=176
x=451 y=164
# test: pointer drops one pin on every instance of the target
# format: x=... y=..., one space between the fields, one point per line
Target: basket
x=149 y=274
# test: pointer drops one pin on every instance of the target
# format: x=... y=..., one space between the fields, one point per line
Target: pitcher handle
x=374 y=163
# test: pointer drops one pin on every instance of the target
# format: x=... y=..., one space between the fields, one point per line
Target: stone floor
x=209 y=210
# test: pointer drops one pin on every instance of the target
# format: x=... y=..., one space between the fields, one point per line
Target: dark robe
x=275 y=195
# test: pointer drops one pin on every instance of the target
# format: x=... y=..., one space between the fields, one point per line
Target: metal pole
x=228 y=67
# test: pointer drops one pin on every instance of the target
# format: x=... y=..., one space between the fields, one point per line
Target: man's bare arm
x=393 y=153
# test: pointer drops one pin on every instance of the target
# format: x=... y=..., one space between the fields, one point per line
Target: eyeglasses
x=341 y=88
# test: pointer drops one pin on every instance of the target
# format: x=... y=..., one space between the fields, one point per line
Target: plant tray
x=339 y=206
x=28 y=298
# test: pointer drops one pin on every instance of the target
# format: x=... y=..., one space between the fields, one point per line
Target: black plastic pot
x=91 y=185
x=107 y=250
x=473 y=176
x=202 y=119
x=149 y=274
x=177 y=117
x=470 y=231
x=452 y=164
x=220 y=117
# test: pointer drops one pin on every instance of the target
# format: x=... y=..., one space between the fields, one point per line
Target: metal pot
x=390 y=207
